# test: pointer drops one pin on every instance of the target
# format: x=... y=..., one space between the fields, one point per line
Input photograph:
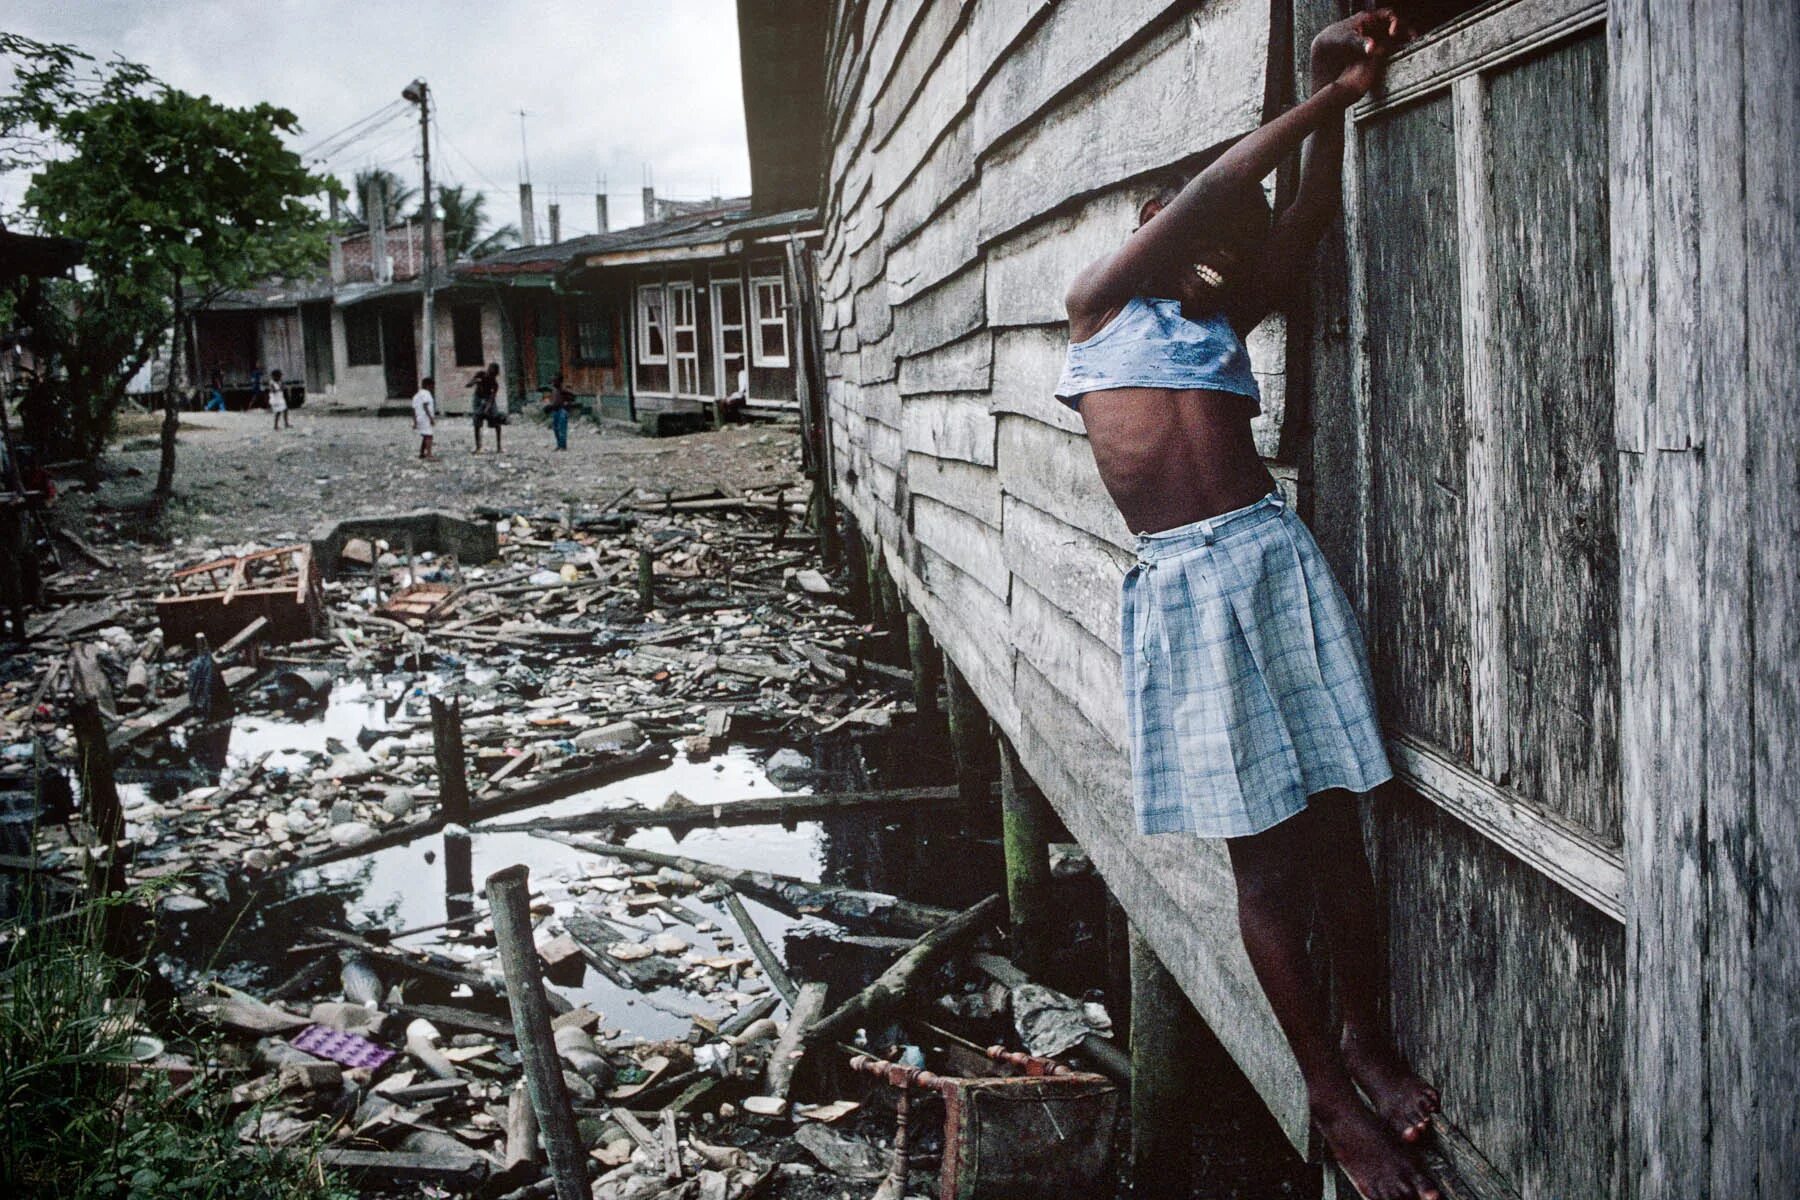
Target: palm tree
x=396 y=196
x=464 y=214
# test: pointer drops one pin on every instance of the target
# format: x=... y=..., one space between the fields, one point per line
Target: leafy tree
x=397 y=196
x=178 y=199
x=464 y=214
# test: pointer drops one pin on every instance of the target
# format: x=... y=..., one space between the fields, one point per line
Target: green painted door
x=546 y=346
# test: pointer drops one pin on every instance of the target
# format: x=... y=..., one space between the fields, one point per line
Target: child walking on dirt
x=1247 y=687
x=424 y=405
x=278 y=401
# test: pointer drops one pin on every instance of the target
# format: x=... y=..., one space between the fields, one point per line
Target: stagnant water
x=247 y=938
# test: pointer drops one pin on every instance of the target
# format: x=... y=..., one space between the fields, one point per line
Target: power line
x=392 y=108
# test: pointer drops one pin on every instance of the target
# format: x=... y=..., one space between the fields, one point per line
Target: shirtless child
x=1247 y=687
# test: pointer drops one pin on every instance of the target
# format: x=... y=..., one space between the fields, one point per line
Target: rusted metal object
x=1046 y=1134
x=221 y=597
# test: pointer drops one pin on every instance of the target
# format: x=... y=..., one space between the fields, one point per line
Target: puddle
x=419 y=884
x=925 y=857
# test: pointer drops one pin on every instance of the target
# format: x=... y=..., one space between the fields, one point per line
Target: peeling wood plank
x=1073 y=570
x=962 y=366
x=1054 y=472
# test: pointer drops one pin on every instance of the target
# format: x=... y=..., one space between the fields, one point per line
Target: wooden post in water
x=509 y=902
x=452 y=766
x=927 y=663
x=99 y=794
x=1162 y=1080
x=856 y=557
x=1024 y=824
x=969 y=741
x=1118 y=966
x=646 y=579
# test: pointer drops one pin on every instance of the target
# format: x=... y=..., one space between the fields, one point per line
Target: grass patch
x=78 y=1121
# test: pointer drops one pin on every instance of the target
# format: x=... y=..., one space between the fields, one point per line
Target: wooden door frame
x=722 y=384
x=1455 y=58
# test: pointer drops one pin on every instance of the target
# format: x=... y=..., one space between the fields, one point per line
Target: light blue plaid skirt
x=1247 y=685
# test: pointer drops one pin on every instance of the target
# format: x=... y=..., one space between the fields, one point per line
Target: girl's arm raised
x=1287 y=253
x=1112 y=280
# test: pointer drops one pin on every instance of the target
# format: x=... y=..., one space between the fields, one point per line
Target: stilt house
x=1539 y=408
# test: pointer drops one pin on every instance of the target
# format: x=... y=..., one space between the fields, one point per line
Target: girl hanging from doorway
x=1247 y=686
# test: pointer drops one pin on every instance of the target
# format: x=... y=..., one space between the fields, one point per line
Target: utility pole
x=420 y=94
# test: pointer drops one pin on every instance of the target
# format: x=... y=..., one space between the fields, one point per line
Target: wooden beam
x=1529 y=832
x=1478 y=43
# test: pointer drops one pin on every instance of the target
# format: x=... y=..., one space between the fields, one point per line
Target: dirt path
x=237 y=480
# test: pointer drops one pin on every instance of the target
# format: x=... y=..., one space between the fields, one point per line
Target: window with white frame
x=652 y=344
x=686 y=333
x=771 y=342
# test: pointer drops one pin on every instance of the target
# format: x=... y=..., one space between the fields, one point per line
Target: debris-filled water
x=746 y=839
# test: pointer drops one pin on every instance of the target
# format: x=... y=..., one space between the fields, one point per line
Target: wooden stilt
x=99 y=797
x=509 y=900
x=926 y=663
x=968 y=741
x=1024 y=824
x=856 y=557
x=646 y=579
x=1118 y=967
x=452 y=764
x=1162 y=1080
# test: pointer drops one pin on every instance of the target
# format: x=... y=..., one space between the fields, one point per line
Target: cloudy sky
x=610 y=88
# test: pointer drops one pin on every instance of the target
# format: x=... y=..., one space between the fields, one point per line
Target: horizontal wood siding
x=968 y=182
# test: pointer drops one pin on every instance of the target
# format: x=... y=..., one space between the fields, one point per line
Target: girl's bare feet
x=1404 y=1101
x=1378 y=1166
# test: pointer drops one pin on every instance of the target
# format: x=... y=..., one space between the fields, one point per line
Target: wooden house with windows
x=661 y=320
x=1538 y=406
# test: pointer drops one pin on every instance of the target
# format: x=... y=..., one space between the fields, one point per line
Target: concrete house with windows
x=354 y=337
x=659 y=322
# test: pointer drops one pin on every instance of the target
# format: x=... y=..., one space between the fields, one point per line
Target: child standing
x=1247 y=688
x=278 y=401
x=558 y=400
x=424 y=405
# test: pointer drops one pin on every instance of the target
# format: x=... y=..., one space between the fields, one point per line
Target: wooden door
x=1487 y=571
x=546 y=346
x=728 y=334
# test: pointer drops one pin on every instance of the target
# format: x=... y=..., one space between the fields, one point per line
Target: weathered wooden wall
x=978 y=154
x=1496 y=425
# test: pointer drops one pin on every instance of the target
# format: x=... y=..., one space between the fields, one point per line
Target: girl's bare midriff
x=1170 y=458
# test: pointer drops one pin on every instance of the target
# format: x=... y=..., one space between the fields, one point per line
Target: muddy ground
x=237 y=479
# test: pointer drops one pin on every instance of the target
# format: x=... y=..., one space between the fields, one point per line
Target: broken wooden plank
x=848 y=905
x=772 y=966
x=892 y=987
x=401 y=1167
x=785 y=1060
x=175 y=710
x=754 y=810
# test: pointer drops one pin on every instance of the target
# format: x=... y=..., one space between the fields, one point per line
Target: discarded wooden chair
x=1045 y=1134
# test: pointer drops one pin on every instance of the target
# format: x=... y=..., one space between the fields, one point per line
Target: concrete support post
x=1162 y=1080
x=1025 y=823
